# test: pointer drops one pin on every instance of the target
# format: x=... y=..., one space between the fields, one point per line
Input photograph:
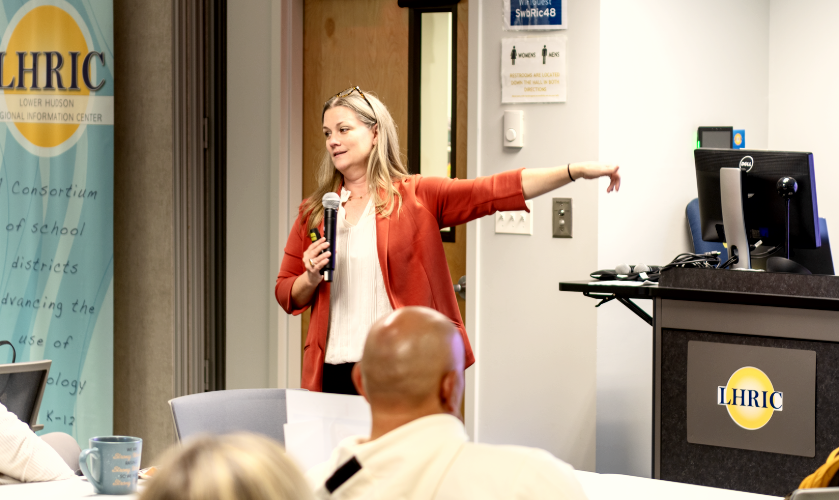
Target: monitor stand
x=783 y=265
x=733 y=219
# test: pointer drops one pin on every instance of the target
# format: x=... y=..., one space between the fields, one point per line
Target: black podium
x=745 y=375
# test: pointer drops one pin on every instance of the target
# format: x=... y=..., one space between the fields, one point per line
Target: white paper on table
x=318 y=421
x=67 y=489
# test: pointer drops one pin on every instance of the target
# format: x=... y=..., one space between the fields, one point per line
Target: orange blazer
x=410 y=252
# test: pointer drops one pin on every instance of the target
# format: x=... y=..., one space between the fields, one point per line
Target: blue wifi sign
x=536 y=14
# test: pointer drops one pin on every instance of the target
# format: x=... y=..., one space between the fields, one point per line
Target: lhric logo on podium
x=760 y=380
x=750 y=398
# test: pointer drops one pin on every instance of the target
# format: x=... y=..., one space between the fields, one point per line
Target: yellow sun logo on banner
x=750 y=398
x=48 y=77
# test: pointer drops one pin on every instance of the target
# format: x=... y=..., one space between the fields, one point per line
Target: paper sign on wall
x=533 y=69
x=535 y=14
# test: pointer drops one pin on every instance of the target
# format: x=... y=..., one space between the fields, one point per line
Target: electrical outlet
x=562 y=217
x=517 y=222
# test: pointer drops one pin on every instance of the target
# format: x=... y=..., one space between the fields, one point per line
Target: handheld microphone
x=330 y=201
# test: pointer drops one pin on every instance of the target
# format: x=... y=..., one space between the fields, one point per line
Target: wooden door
x=365 y=43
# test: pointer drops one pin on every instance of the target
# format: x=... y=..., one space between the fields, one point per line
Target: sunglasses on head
x=345 y=93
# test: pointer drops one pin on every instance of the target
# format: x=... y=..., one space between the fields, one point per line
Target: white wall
x=803 y=101
x=534 y=380
x=665 y=68
x=263 y=191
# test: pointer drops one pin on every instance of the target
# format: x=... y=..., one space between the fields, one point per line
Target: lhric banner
x=56 y=204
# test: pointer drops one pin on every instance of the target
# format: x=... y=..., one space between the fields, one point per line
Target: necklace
x=348 y=196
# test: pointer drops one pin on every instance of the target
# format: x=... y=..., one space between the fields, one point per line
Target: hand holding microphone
x=319 y=259
x=314 y=258
x=331 y=202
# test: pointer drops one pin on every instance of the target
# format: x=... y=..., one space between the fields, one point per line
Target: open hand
x=594 y=170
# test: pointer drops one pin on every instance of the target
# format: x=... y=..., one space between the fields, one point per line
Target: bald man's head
x=413 y=358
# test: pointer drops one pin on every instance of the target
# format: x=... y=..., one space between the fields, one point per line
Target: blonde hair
x=384 y=166
x=230 y=467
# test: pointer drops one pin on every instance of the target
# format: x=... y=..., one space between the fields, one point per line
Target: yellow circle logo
x=48 y=77
x=750 y=398
x=738 y=139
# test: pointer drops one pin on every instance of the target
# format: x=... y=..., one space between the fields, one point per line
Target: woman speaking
x=388 y=248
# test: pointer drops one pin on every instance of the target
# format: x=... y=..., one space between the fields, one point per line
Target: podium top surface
x=730 y=287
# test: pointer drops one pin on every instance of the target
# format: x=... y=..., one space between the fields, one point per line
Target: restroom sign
x=533 y=69
x=535 y=14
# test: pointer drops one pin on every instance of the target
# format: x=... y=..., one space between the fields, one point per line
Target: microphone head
x=331 y=201
x=641 y=268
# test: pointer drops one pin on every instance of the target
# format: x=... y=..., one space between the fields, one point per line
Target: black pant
x=337 y=379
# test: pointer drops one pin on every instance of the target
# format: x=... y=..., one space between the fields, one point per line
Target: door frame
x=414 y=94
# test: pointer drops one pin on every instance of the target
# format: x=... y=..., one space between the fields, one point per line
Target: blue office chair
x=262 y=411
x=700 y=245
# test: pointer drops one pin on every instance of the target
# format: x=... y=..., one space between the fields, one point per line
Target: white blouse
x=358 y=297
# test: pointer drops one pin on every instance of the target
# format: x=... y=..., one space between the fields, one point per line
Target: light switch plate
x=517 y=222
x=562 y=218
x=513 y=125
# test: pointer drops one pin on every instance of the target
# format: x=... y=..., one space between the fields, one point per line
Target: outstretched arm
x=538 y=181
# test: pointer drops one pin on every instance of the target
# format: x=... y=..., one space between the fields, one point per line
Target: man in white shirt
x=24 y=457
x=411 y=373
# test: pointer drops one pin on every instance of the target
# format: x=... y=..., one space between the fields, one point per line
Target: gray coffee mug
x=111 y=464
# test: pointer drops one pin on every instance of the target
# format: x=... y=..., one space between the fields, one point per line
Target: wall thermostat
x=513 y=136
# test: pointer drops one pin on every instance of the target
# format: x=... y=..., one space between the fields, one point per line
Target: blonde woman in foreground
x=231 y=467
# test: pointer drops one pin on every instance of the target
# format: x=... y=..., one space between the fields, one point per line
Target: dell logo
x=746 y=163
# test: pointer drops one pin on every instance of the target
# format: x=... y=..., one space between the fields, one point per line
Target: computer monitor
x=22 y=387
x=764 y=210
